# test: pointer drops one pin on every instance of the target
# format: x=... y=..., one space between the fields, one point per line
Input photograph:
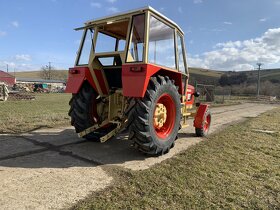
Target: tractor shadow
x=186 y=135
x=54 y=148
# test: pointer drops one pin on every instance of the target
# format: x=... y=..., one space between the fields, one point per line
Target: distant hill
x=207 y=76
x=59 y=74
x=204 y=76
x=272 y=75
x=199 y=75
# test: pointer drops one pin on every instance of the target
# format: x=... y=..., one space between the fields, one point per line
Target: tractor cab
x=112 y=44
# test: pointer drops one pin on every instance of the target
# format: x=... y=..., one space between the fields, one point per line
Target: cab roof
x=123 y=15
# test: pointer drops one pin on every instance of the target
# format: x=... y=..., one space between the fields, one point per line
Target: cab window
x=181 y=63
x=86 y=47
x=105 y=43
x=161 y=44
x=137 y=35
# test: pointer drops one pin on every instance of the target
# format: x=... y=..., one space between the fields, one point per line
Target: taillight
x=136 y=68
x=74 y=71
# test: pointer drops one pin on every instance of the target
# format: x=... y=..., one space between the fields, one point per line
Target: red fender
x=189 y=95
x=199 y=117
x=76 y=78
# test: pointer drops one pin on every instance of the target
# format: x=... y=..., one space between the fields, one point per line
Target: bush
x=234 y=79
x=266 y=88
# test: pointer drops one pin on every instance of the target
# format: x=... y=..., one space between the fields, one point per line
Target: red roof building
x=7 y=78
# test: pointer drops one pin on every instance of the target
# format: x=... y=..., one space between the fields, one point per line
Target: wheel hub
x=160 y=115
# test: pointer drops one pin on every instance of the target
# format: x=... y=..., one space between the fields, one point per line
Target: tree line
x=235 y=79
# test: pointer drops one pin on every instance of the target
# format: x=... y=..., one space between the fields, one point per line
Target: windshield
x=110 y=37
x=86 y=47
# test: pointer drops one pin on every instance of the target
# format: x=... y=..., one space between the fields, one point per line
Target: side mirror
x=196 y=94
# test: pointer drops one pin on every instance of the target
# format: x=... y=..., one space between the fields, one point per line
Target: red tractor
x=131 y=73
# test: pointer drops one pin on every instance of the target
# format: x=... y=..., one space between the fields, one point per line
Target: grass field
x=57 y=74
x=237 y=168
x=48 y=110
x=37 y=74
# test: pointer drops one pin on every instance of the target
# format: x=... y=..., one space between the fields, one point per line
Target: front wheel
x=156 y=117
x=203 y=131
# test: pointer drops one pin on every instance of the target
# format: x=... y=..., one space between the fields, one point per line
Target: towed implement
x=131 y=73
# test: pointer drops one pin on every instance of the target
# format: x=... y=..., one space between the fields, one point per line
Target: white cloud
x=196 y=62
x=3 y=65
x=197 y=1
x=227 y=23
x=15 y=24
x=263 y=19
x=17 y=65
x=96 y=4
x=113 y=10
x=112 y=1
x=180 y=10
x=242 y=55
x=23 y=57
x=3 y=33
x=230 y=44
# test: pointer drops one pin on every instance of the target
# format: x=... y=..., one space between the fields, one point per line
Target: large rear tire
x=83 y=111
x=156 y=117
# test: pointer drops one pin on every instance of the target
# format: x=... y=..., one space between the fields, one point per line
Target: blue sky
x=220 y=34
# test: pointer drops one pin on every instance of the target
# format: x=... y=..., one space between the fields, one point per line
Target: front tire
x=156 y=117
x=203 y=131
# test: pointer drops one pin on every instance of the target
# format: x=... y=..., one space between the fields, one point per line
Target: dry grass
x=48 y=110
x=205 y=72
x=235 y=169
x=38 y=74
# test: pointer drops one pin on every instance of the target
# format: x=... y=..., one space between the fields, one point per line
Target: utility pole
x=259 y=79
x=49 y=70
x=7 y=67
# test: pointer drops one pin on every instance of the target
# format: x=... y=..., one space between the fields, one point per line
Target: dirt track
x=53 y=168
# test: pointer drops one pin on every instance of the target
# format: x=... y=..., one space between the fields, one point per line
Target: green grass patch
x=235 y=169
x=47 y=110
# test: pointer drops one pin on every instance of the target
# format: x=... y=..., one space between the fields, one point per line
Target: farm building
x=7 y=78
x=50 y=84
x=23 y=80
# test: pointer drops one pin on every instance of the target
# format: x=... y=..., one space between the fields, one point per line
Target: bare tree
x=47 y=72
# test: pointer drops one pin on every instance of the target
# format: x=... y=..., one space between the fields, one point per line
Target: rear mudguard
x=76 y=77
x=190 y=95
x=199 y=117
